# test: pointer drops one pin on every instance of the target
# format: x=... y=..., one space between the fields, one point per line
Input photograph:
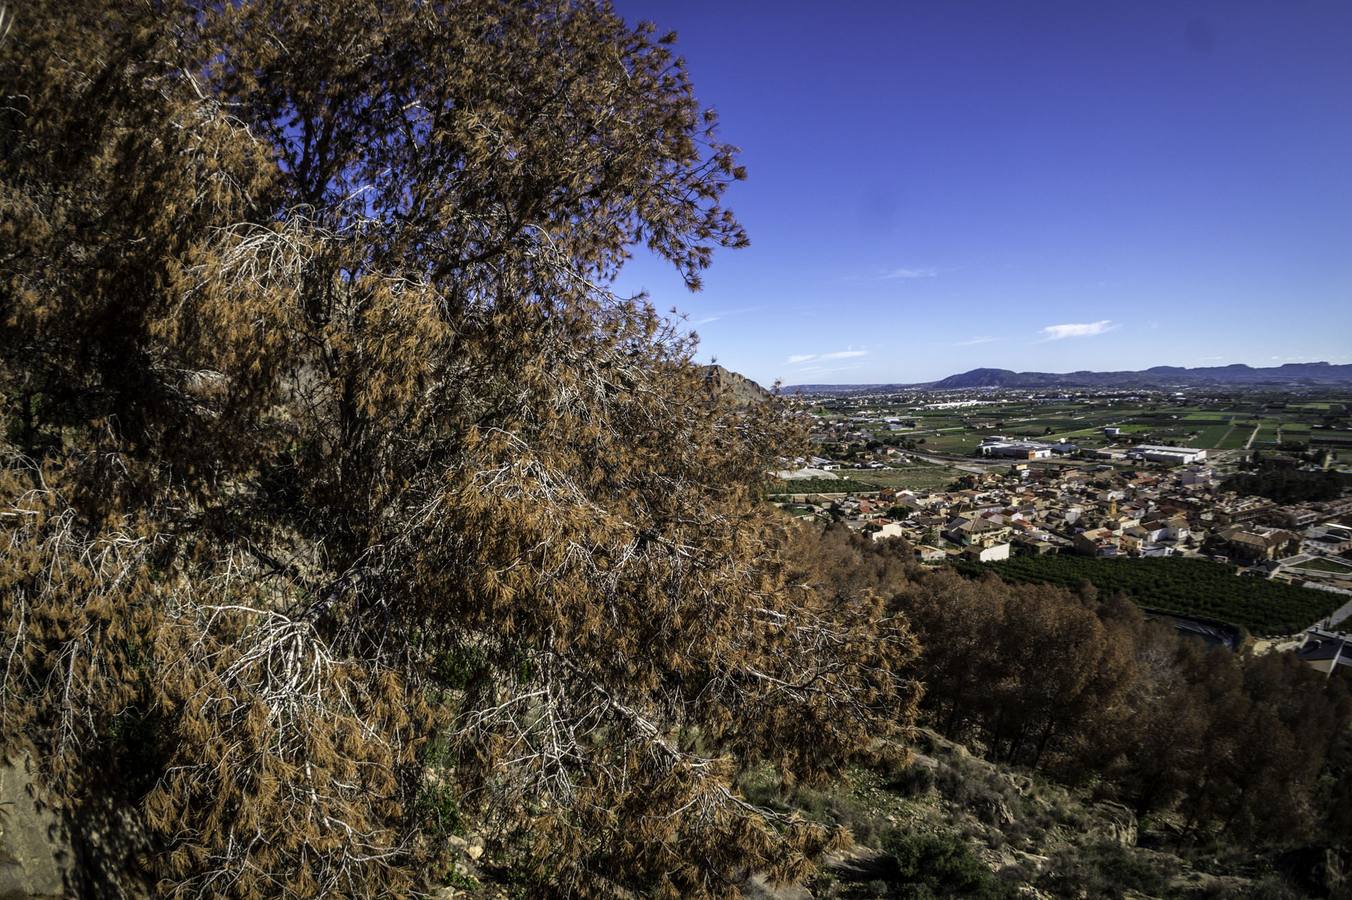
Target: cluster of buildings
x=1001 y=447
x=1154 y=453
x=1103 y=511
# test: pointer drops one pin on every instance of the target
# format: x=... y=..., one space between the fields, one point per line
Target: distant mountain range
x=1237 y=376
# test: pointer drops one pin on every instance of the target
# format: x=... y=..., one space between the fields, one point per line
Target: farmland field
x=1329 y=436
x=1325 y=565
x=954 y=442
x=915 y=478
x=1212 y=436
x=1196 y=588
x=818 y=486
x=1220 y=426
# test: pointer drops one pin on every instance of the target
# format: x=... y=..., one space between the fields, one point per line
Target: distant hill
x=1238 y=375
x=742 y=388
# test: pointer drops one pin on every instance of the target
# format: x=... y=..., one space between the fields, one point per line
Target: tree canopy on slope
x=332 y=455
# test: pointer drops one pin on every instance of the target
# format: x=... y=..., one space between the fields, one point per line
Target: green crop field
x=1325 y=565
x=1213 y=426
x=1212 y=436
x=1196 y=588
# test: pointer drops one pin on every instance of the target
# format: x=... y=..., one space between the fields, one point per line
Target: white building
x=1003 y=449
x=891 y=529
x=993 y=553
x=1171 y=456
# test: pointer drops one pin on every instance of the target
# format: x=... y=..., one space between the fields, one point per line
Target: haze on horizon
x=1051 y=186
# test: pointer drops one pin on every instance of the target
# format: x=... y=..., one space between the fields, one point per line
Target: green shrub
x=912 y=781
x=939 y=865
x=1106 y=870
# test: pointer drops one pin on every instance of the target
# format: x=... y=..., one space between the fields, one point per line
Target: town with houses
x=1106 y=497
x=1169 y=506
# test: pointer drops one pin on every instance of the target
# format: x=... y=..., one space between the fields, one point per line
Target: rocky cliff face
x=34 y=854
x=743 y=389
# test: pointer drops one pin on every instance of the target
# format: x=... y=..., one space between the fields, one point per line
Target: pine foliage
x=330 y=444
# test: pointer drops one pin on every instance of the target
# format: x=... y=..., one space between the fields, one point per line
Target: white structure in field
x=993 y=553
x=1006 y=449
x=1171 y=456
x=891 y=529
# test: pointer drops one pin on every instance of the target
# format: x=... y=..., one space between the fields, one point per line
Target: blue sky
x=933 y=185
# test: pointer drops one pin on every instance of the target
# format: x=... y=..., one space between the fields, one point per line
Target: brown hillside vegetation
x=1233 y=764
x=343 y=502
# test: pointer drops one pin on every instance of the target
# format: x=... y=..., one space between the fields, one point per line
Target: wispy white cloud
x=723 y=314
x=825 y=370
x=907 y=273
x=800 y=358
x=970 y=342
x=1077 y=329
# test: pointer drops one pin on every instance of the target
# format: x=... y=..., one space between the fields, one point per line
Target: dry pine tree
x=342 y=496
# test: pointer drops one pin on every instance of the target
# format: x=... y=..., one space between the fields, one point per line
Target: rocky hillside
x=949 y=823
x=35 y=857
x=743 y=389
x=942 y=822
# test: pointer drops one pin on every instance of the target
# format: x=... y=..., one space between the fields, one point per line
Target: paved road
x=1340 y=613
x=1249 y=443
x=966 y=465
